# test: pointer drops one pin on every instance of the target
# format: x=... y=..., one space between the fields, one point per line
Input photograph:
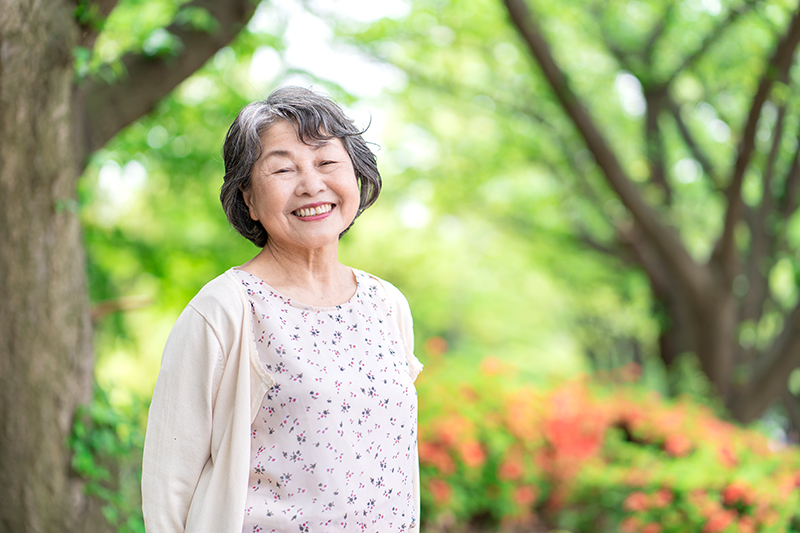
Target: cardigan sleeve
x=402 y=312
x=178 y=440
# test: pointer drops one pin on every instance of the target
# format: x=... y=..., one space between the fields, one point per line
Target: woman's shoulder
x=221 y=295
x=394 y=294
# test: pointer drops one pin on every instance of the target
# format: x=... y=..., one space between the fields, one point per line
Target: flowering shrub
x=589 y=457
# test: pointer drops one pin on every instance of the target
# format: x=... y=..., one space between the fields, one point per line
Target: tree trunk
x=45 y=332
x=702 y=325
x=49 y=125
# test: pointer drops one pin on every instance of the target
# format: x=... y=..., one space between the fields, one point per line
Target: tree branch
x=592 y=243
x=655 y=143
x=663 y=238
x=641 y=249
x=778 y=66
x=622 y=56
x=109 y=108
x=790 y=402
x=791 y=187
x=688 y=139
x=771 y=370
x=619 y=54
x=761 y=241
x=657 y=32
x=126 y=303
x=708 y=41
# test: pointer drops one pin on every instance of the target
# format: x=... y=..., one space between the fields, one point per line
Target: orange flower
x=662 y=498
x=632 y=416
x=630 y=372
x=727 y=457
x=747 y=525
x=785 y=485
x=522 y=416
x=510 y=469
x=737 y=492
x=472 y=454
x=636 y=501
x=573 y=437
x=630 y=525
x=768 y=517
x=440 y=491
x=652 y=527
x=575 y=428
x=469 y=393
x=719 y=521
x=677 y=445
x=436 y=346
x=636 y=478
x=708 y=506
x=525 y=495
x=453 y=429
x=491 y=366
x=434 y=455
x=698 y=497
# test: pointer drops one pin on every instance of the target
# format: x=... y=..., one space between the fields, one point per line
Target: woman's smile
x=314 y=211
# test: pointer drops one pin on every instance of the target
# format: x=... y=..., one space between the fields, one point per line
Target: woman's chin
x=318 y=239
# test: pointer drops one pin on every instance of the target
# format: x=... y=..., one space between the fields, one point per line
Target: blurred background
x=601 y=255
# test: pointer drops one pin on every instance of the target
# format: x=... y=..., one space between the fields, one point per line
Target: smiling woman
x=274 y=415
x=303 y=195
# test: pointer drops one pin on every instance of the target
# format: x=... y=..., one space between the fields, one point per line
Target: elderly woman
x=285 y=400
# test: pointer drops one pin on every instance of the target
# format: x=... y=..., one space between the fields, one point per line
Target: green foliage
x=137 y=26
x=162 y=43
x=106 y=444
x=81 y=56
x=87 y=13
x=592 y=456
x=197 y=18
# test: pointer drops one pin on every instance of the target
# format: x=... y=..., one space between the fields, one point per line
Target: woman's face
x=304 y=196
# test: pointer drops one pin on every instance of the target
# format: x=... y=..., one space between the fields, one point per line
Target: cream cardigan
x=208 y=392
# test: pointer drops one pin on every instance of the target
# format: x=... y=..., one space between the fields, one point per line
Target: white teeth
x=312 y=211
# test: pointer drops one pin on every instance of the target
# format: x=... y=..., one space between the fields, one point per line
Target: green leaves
x=87 y=13
x=197 y=18
x=106 y=444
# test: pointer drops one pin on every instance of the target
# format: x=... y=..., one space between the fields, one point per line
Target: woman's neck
x=313 y=277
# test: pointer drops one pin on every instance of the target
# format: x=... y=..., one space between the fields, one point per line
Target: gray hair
x=315 y=118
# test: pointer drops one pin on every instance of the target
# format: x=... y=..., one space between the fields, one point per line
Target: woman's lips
x=313 y=211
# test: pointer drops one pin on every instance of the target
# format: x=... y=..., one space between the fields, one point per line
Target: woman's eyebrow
x=277 y=153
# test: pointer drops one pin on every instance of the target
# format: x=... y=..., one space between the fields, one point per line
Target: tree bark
x=45 y=330
x=48 y=128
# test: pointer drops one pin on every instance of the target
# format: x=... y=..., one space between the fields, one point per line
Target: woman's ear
x=247 y=195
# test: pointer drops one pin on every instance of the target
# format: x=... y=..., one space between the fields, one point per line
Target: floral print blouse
x=334 y=444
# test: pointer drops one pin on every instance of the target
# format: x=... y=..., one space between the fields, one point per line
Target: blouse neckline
x=299 y=305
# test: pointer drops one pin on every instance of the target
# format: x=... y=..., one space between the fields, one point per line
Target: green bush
x=106 y=444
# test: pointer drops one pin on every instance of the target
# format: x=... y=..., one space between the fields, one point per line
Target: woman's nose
x=311 y=181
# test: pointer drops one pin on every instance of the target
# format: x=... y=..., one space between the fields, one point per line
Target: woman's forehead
x=282 y=139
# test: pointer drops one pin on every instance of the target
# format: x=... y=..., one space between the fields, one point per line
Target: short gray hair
x=315 y=118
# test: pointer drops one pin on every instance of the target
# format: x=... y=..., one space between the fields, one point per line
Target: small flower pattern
x=333 y=446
